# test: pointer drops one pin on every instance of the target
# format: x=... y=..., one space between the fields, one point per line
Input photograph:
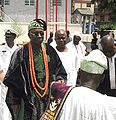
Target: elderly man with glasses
x=33 y=67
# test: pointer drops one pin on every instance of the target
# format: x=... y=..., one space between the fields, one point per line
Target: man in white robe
x=77 y=46
x=68 y=57
x=84 y=103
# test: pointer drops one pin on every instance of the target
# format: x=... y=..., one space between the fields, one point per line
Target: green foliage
x=17 y=26
x=108 y=26
x=107 y=5
x=113 y=15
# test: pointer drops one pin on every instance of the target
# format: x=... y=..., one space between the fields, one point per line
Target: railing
x=4 y=17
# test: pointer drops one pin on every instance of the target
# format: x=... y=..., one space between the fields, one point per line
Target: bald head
x=107 y=40
x=108 y=47
x=60 y=32
x=60 y=38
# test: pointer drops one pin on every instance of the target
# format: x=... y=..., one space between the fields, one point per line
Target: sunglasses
x=37 y=33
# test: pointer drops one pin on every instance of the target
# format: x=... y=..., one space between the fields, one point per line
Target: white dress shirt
x=5 y=56
x=112 y=72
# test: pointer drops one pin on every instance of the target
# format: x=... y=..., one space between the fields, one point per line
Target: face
x=60 y=38
x=76 y=40
x=9 y=38
x=85 y=78
x=36 y=35
x=94 y=35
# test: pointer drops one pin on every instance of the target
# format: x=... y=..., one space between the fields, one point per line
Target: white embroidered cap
x=11 y=31
x=95 y=62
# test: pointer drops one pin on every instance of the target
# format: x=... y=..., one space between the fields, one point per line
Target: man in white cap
x=84 y=103
x=6 y=51
x=78 y=45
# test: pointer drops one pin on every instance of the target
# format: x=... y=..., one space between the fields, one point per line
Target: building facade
x=25 y=10
x=83 y=13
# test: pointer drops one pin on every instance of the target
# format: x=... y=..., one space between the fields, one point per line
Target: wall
x=84 y=5
x=19 y=12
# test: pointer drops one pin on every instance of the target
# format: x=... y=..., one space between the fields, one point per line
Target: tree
x=109 y=5
x=17 y=26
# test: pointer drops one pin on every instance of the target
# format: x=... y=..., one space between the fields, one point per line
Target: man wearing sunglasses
x=33 y=67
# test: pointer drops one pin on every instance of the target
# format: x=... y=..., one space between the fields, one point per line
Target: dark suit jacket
x=104 y=87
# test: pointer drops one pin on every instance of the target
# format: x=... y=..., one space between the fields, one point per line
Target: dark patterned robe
x=20 y=95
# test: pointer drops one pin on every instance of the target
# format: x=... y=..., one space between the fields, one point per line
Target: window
x=88 y=4
x=102 y=18
x=26 y=2
x=30 y=2
x=1 y=2
x=59 y=3
x=6 y=2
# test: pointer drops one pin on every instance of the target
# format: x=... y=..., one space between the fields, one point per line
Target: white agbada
x=86 y=104
x=79 y=49
x=71 y=64
x=5 y=56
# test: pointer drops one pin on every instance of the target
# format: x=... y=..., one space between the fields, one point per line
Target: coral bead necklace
x=32 y=71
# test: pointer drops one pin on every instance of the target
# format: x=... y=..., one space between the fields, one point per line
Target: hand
x=1 y=75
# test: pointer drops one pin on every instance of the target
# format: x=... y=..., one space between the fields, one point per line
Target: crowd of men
x=57 y=79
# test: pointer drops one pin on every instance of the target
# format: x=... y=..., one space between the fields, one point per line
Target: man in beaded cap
x=32 y=68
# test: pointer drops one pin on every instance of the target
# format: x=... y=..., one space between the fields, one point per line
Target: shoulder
x=3 y=44
x=70 y=38
x=3 y=47
x=82 y=45
x=20 y=50
x=48 y=46
x=70 y=44
x=51 y=51
x=115 y=56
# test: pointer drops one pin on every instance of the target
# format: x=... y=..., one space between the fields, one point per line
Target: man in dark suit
x=108 y=86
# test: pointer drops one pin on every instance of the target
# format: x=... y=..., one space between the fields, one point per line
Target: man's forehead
x=61 y=31
x=61 y=36
x=9 y=35
x=36 y=30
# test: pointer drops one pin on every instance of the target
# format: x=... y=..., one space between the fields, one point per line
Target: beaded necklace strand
x=32 y=71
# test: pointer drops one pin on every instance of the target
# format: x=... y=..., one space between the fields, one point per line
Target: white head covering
x=95 y=62
x=8 y=31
